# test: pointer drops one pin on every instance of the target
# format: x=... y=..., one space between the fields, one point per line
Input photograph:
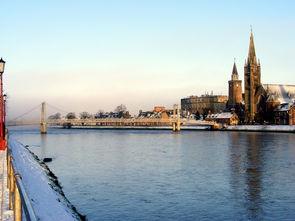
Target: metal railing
x=139 y=121
x=18 y=198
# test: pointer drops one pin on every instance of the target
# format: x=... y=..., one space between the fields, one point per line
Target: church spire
x=235 y=75
x=235 y=68
x=251 y=54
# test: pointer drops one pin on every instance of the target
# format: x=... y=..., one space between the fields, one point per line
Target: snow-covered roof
x=284 y=107
x=280 y=93
x=152 y=114
x=223 y=115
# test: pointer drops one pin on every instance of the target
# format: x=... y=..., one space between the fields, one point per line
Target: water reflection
x=43 y=139
x=246 y=172
x=254 y=171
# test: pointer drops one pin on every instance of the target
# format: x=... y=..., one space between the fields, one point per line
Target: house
x=158 y=112
x=225 y=118
x=285 y=114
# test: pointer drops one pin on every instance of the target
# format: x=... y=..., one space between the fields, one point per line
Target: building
x=278 y=101
x=285 y=114
x=260 y=103
x=253 y=88
x=158 y=112
x=234 y=90
x=225 y=118
x=204 y=104
x=159 y=108
x=263 y=101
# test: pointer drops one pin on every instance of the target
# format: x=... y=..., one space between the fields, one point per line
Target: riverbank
x=250 y=128
x=262 y=128
x=42 y=187
x=134 y=127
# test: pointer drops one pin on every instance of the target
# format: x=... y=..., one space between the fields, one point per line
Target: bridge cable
x=27 y=112
x=56 y=108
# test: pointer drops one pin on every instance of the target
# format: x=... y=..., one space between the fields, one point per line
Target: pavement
x=5 y=213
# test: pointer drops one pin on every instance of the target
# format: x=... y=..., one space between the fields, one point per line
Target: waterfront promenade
x=5 y=214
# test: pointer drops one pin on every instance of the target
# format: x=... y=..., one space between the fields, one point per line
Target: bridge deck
x=116 y=122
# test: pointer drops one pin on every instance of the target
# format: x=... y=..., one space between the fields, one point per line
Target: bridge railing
x=131 y=120
x=169 y=121
x=112 y=120
x=18 y=197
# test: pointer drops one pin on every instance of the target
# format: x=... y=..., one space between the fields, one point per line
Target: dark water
x=159 y=175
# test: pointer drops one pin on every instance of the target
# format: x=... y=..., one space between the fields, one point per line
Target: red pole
x=2 y=108
x=5 y=137
x=2 y=140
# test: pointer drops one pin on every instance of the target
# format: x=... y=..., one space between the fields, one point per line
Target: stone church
x=260 y=103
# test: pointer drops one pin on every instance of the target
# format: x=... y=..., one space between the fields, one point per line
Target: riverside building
x=263 y=103
x=262 y=100
x=204 y=104
x=259 y=104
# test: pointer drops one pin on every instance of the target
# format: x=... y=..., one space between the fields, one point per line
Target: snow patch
x=282 y=128
x=280 y=93
x=223 y=115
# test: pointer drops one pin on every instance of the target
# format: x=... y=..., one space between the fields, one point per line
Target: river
x=161 y=175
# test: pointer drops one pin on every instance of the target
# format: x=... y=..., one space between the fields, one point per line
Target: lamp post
x=2 y=107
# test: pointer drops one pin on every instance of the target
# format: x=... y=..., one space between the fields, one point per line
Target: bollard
x=178 y=125
x=8 y=169
x=11 y=190
x=7 y=155
x=17 y=202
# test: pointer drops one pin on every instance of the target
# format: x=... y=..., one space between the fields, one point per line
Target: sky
x=95 y=55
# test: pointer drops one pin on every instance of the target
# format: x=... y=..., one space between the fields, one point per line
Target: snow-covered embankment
x=270 y=128
x=42 y=187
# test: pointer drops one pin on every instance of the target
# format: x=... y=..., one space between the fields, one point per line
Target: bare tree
x=121 y=108
x=55 y=116
x=122 y=112
x=99 y=114
x=71 y=115
x=85 y=115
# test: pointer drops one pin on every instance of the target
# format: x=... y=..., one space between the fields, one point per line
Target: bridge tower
x=176 y=120
x=43 y=125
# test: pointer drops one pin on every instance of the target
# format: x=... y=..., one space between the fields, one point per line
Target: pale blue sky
x=90 y=55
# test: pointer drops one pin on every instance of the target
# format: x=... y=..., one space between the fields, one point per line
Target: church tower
x=253 y=87
x=234 y=89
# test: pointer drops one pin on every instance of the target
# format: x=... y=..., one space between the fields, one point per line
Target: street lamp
x=2 y=65
x=2 y=108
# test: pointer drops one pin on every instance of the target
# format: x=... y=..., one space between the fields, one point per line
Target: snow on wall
x=41 y=185
x=284 y=128
x=223 y=115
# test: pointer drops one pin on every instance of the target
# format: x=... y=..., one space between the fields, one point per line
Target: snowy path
x=5 y=214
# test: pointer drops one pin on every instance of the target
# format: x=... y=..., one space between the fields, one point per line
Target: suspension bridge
x=175 y=122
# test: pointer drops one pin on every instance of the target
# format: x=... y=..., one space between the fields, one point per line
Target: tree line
x=119 y=112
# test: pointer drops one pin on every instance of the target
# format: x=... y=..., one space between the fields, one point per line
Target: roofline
x=280 y=85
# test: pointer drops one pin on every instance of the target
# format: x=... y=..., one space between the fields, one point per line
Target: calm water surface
x=160 y=175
